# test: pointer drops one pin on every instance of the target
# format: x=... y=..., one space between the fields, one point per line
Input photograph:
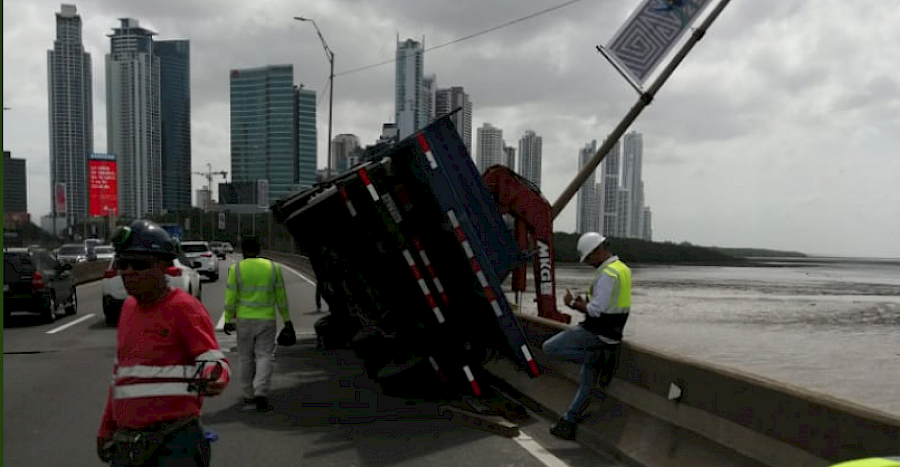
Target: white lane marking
x=73 y=323
x=221 y=324
x=539 y=452
x=311 y=282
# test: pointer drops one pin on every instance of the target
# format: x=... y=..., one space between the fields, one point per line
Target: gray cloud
x=779 y=129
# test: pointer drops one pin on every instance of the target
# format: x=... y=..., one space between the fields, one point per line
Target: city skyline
x=749 y=148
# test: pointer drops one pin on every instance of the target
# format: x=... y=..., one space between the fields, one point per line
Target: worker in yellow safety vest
x=254 y=291
x=593 y=342
x=871 y=462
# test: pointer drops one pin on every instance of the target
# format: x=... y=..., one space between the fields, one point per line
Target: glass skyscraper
x=133 y=118
x=306 y=138
x=273 y=130
x=70 y=99
x=175 y=116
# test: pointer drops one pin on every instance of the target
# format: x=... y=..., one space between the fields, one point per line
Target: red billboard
x=102 y=185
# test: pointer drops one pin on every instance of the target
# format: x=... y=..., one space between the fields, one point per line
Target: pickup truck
x=411 y=250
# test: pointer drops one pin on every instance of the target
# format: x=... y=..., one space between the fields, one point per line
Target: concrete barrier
x=722 y=416
x=89 y=271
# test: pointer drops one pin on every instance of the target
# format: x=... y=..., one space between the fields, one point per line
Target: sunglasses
x=136 y=264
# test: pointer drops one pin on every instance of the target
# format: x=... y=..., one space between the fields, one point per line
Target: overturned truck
x=411 y=250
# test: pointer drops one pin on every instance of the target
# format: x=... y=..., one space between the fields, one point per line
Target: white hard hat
x=589 y=242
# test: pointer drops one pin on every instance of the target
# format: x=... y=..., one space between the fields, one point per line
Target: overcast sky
x=779 y=130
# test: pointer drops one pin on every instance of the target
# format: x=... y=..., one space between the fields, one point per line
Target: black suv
x=34 y=281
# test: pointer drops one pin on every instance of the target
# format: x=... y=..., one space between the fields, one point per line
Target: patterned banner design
x=645 y=39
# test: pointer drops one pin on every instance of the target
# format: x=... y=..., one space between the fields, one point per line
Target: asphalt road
x=327 y=412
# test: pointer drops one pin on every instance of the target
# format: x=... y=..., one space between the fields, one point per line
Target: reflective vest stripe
x=146 y=371
x=132 y=391
x=210 y=355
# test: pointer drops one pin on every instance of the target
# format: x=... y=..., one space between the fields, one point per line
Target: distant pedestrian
x=167 y=360
x=607 y=306
x=254 y=292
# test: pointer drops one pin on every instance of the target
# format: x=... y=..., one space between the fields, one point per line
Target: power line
x=470 y=36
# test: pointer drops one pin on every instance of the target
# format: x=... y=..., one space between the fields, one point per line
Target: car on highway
x=228 y=247
x=182 y=275
x=218 y=248
x=36 y=282
x=209 y=262
x=72 y=253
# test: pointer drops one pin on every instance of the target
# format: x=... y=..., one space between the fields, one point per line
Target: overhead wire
x=470 y=36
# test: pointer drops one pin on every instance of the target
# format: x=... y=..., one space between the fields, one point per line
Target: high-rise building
x=429 y=97
x=509 y=156
x=449 y=99
x=133 y=131
x=647 y=233
x=15 y=186
x=344 y=152
x=609 y=171
x=530 y=157
x=263 y=127
x=411 y=113
x=490 y=147
x=71 y=112
x=306 y=140
x=632 y=152
x=624 y=213
x=204 y=195
x=175 y=121
x=587 y=216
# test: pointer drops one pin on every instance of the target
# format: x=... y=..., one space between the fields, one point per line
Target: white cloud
x=779 y=129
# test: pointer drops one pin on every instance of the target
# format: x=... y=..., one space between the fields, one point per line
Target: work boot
x=263 y=405
x=564 y=429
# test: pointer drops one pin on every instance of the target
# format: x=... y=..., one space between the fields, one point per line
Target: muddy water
x=827 y=325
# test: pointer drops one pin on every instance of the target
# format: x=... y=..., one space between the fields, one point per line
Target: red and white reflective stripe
x=347 y=202
x=475 y=388
x=132 y=391
x=418 y=275
x=423 y=143
x=476 y=266
x=148 y=371
x=532 y=365
x=430 y=270
x=437 y=369
x=364 y=176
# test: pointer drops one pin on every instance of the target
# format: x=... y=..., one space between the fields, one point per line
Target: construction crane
x=208 y=175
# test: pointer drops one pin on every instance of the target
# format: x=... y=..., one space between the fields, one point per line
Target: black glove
x=105 y=449
x=287 y=336
x=230 y=328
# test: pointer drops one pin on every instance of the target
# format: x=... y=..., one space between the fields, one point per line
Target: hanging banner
x=60 y=195
x=103 y=185
x=646 y=38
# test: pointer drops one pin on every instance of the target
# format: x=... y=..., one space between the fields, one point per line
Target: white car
x=228 y=248
x=104 y=252
x=209 y=262
x=114 y=294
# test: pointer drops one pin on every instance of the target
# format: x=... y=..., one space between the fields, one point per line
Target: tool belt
x=136 y=447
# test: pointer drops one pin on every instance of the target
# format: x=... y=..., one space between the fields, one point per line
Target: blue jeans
x=577 y=345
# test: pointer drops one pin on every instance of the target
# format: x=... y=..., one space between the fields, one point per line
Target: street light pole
x=330 y=55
